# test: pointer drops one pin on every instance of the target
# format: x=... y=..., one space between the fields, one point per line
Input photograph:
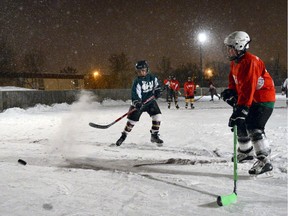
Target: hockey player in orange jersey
x=251 y=92
x=189 y=90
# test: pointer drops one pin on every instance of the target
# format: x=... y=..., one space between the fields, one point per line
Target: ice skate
x=260 y=167
x=121 y=139
x=177 y=107
x=155 y=138
x=244 y=156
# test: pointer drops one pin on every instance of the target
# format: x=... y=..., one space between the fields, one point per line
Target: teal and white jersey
x=144 y=87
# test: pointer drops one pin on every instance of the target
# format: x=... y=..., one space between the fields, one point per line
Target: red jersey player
x=173 y=92
x=251 y=92
x=189 y=90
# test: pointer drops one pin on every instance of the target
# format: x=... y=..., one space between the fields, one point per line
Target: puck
x=20 y=161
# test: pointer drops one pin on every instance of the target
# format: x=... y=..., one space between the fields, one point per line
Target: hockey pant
x=252 y=132
x=152 y=109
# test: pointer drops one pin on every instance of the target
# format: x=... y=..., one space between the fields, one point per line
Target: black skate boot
x=244 y=156
x=155 y=138
x=261 y=166
x=121 y=139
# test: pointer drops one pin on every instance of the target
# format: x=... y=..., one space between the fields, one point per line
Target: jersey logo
x=147 y=86
x=260 y=83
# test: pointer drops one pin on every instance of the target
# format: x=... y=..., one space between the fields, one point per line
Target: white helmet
x=239 y=40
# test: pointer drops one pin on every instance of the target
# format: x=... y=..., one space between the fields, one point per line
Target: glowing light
x=202 y=37
x=209 y=73
x=96 y=74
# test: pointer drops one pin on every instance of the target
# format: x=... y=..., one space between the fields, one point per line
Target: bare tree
x=69 y=70
x=121 y=71
x=34 y=63
x=183 y=71
x=7 y=61
x=164 y=67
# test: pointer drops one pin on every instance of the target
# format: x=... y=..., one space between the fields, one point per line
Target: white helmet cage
x=239 y=40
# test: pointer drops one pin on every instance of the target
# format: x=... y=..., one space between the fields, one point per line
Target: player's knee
x=260 y=143
x=256 y=134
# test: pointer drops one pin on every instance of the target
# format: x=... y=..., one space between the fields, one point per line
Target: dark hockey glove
x=138 y=105
x=157 y=93
x=230 y=96
x=238 y=116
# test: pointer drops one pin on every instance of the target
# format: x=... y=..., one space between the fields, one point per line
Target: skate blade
x=262 y=176
x=112 y=145
x=159 y=144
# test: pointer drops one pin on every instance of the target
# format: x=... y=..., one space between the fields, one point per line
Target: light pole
x=201 y=38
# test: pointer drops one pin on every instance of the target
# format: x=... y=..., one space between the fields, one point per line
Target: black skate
x=244 y=156
x=155 y=138
x=260 y=167
x=177 y=107
x=121 y=139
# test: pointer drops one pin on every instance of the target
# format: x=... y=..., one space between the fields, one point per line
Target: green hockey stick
x=231 y=198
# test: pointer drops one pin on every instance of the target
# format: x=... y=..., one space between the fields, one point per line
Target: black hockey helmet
x=141 y=65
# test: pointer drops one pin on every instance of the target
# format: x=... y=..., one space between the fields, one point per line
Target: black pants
x=257 y=118
x=173 y=95
x=151 y=108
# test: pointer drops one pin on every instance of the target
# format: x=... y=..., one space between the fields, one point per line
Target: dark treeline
x=121 y=70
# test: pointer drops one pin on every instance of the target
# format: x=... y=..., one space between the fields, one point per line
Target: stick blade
x=99 y=126
x=227 y=200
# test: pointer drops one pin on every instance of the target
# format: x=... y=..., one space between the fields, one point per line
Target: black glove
x=157 y=93
x=230 y=96
x=238 y=116
x=138 y=105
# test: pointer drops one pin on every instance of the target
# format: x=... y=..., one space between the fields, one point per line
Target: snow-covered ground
x=72 y=169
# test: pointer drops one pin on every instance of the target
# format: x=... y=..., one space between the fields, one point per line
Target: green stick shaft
x=231 y=198
x=235 y=158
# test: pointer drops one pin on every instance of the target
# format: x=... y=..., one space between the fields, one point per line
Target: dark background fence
x=25 y=99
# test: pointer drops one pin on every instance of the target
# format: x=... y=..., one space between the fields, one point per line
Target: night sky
x=84 y=33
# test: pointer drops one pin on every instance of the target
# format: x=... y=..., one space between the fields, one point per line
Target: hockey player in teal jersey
x=145 y=86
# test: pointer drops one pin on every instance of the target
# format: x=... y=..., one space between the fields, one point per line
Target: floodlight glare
x=202 y=37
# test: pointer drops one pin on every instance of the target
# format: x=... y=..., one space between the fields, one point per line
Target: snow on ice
x=72 y=169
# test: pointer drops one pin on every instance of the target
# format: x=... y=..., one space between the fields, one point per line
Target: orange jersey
x=167 y=82
x=174 y=85
x=189 y=88
x=251 y=80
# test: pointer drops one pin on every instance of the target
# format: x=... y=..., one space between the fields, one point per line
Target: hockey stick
x=118 y=119
x=231 y=198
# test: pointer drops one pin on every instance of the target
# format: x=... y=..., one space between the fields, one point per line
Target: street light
x=209 y=73
x=201 y=38
x=96 y=74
